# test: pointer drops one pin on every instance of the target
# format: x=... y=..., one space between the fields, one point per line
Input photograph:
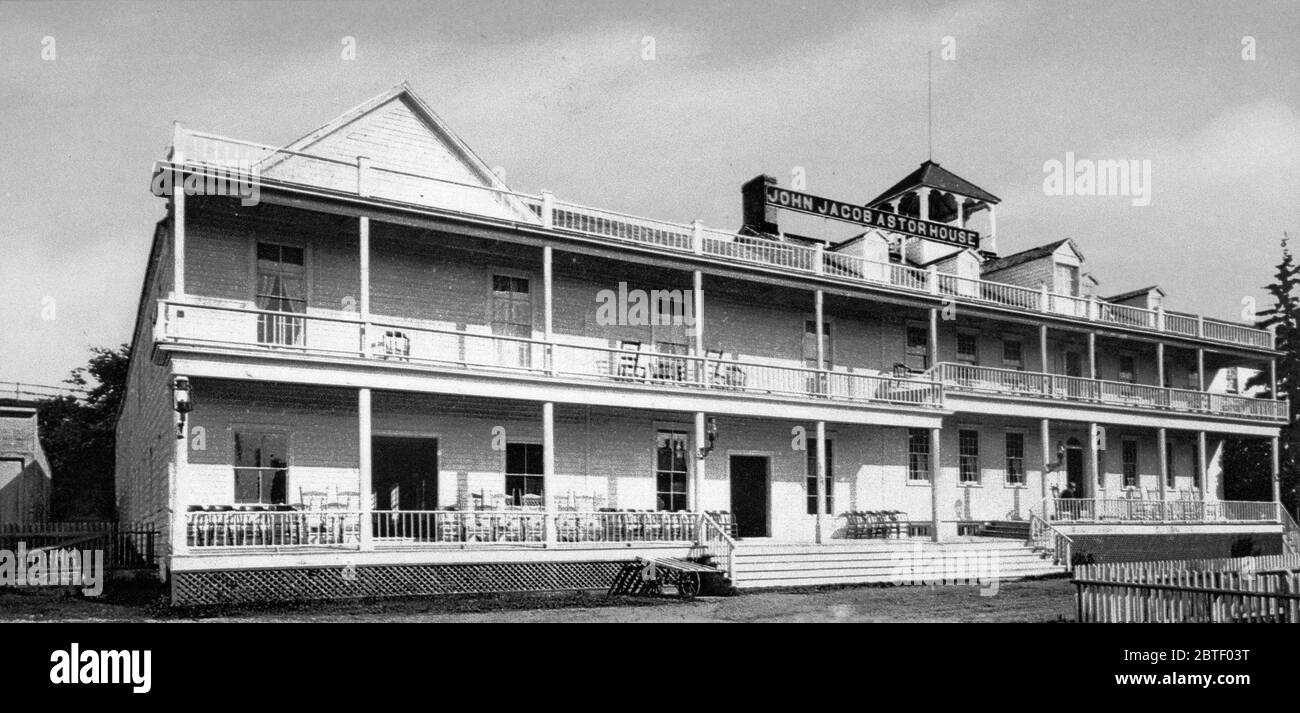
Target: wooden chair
x=629 y=364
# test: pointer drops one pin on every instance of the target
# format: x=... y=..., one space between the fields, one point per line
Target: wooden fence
x=126 y=546
x=1238 y=589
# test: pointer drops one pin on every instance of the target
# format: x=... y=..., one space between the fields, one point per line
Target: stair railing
x=1045 y=537
x=717 y=544
x=1290 y=530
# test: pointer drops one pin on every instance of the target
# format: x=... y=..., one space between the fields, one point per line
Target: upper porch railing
x=402 y=343
x=1010 y=382
x=353 y=176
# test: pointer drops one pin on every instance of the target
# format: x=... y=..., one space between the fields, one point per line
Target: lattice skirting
x=313 y=583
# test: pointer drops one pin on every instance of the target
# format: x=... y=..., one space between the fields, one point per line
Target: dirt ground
x=1047 y=600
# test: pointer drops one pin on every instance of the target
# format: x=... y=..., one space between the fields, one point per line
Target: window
x=1013 y=351
x=1067 y=280
x=918 y=347
x=1196 y=464
x=1126 y=371
x=1231 y=380
x=261 y=467
x=670 y=471
x=968 y=347
x=968 y=454
x=1129 y=456
x=810 y=344
x=280 y=288
x=1169 y=464
x=811 y=479
x=512 y=316
x=1015 y=458
x=918 y=454
x=523 y=471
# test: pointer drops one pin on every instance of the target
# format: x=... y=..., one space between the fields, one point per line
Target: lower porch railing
x=1135 y=510
x=214 y=530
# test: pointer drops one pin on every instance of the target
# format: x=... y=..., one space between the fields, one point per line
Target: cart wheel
x=653 y=588
x=688 y=585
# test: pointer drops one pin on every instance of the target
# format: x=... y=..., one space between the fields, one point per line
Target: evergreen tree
x=1250 y=463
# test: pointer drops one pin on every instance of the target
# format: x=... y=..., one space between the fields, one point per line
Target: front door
x=749 y=495
x=404 y=473
x=1074 y=470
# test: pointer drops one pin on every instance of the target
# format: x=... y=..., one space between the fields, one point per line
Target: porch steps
x=886 y=561
x=1010 y=529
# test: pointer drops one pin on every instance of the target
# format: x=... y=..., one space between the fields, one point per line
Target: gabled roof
x=423 y=110
x=1024 y=256
x=1134 y=293
x=933 y=175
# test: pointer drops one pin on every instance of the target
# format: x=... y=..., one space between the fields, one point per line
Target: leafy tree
x=1247 y=462
x=78 y=434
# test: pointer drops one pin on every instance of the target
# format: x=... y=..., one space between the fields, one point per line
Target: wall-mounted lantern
x=181 y=402
x=710 y=436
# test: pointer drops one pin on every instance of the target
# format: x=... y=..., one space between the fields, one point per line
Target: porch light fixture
x=181 y=402
x=710 y=435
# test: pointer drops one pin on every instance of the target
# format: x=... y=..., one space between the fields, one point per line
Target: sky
x=561 y=96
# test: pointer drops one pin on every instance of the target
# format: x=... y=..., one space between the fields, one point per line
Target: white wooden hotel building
x=395 y=375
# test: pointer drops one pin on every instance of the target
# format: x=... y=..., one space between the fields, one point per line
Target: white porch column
x=178 y=213
x=1045 y=439
x=1200 y=369
x=364 y=301
x=993 y=225
x=1160 y=364
x=1162 y=435
x=821 y=478
x=1042 y=350
x=548 y=470
x=365 y=480
x=934 y=484
x=924 y=208
x=820 y=315
x=548 y=306
x=933 y=344
x=1272 y=378
x=1277 y=469
x=697 y=487
x=697 y=289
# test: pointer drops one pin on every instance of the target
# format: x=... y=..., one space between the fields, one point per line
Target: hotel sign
x=784 y=198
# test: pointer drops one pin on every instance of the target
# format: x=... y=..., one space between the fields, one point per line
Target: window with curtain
x=968 y=454
x=512 y=316
x=1015 y=452
x=671 y=471
x=918 y=454
x=281 y=288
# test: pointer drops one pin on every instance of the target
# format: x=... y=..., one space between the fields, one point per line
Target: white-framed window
x=671 y=473
x=1067 y=280
x=1013 y=353
x=512 y=316
x=918 y=454
x=968 y=455
x=918 y=347
x=1127 y=368
x=810 y=479
x=524 y=472
x=968 y=347
x=1015 y=453
x=261 y=467
x=1129 y=459
x=1231 y=380
x=281 y=288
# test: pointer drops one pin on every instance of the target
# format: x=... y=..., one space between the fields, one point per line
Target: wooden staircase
x=765 y=565
x=1009 y=529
